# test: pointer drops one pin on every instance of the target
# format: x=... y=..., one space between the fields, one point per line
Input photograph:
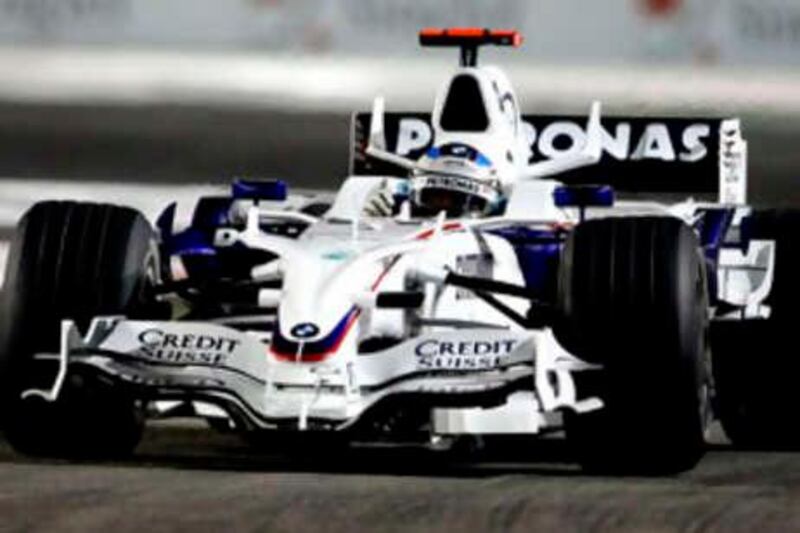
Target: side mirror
x=245 y=189
x=583 y=196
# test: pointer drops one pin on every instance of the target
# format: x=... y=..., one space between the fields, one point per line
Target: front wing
x=474 y=380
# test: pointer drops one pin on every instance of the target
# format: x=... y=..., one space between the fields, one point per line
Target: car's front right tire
x=633 y=299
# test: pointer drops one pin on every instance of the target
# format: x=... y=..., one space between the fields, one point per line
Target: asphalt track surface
x=186 y=477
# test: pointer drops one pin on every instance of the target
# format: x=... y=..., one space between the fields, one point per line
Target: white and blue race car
x=480 y=272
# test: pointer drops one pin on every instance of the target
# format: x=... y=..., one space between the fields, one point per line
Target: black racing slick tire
x=633 y=299
x=755 y=366
x=70 y=260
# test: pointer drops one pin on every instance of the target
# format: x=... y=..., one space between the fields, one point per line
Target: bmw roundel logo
x=305 y=330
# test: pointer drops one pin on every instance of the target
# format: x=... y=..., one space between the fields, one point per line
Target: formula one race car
x=451 y=287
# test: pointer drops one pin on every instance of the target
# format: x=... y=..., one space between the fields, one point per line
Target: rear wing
x=469 y=40
x=703 y=157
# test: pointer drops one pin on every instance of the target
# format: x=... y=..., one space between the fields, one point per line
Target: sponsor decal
x=653 y=141
x=434 y=354
x=563 y=138
x=305 y=330
x=453 y=183
x=639 y=154
x=186 y=348
x=733 y=164
x=412 y=134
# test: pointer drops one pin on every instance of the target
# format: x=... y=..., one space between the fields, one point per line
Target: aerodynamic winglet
x=590 y=154
x=376 y=146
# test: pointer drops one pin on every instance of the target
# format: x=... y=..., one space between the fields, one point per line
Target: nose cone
x=317 y=315
x=306 y=342
x=315 y=298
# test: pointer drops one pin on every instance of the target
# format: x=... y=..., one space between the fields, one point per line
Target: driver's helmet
x=457 y=179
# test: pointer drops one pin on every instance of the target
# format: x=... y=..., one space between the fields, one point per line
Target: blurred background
x=120 y=93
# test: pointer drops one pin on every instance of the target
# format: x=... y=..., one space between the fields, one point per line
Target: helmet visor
x=453 y=203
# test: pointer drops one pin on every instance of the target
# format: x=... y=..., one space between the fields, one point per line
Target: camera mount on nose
x=469 y=40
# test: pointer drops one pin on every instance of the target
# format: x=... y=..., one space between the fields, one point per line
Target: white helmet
x=458 y=179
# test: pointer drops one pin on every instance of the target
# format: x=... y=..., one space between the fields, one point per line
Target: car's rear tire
x=755 y=365
x=70 y=260
x=633 y=298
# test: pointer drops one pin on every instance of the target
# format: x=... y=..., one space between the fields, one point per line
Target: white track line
x=342 y=83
